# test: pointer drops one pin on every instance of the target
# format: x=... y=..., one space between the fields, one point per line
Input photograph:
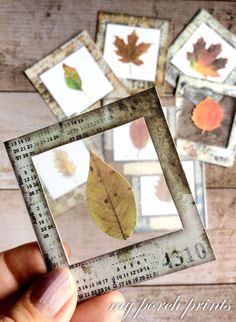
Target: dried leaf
x=131 y=52
x=205 y=61
x=72 y=78
x=62 y=163
x=111 y=200
x=207 y=115
x=161 y=190
x=139 y=133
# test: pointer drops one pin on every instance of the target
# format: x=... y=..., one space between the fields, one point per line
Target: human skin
x=26 y=287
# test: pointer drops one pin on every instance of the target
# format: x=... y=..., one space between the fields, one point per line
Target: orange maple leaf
x=207 y=115
x=130 y=52
x=205 y=61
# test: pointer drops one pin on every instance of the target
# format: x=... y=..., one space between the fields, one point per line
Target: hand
x=29 y=294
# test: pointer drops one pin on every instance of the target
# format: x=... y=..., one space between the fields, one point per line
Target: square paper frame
x=138 y=262
x=203 y=16
x=82 y=39
x=200 y=151
x=133 y=86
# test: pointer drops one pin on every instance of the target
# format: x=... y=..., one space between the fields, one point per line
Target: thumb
x=52 y=298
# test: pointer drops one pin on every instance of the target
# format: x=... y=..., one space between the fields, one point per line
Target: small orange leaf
x=205 y=61
x=161 y=190
x=207 y=115
x=139 y=133
x=130 y=52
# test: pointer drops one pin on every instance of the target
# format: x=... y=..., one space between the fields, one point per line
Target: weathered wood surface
x=217 y=176
x=189 y=296
x=20 y=113
x=32 y=29
x=221 y=204
x=80 y=232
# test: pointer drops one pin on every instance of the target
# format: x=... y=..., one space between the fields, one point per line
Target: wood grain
x=33 y=29
x=161 y=295
x=19 y=114
x=15 y=223
x=220 y=177
x=221 y=204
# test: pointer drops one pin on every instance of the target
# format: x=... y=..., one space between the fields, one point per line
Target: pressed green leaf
x=111 y=200
x=72 y=78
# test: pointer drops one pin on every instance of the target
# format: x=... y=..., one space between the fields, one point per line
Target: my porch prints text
x=184 y=308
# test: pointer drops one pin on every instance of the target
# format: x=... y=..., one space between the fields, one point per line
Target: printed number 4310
x=176 y=258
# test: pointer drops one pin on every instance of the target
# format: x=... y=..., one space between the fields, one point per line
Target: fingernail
x=52 y=292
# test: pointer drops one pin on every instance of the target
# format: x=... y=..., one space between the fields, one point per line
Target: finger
x=51 y=299
x=19 y=266
x=98 y=309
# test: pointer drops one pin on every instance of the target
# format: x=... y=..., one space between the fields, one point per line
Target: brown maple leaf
x=207 y=115
x=204 y=60
x=130 y=52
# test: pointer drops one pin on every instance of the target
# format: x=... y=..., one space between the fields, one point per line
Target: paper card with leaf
x=152 y=190
x=63 y=173
x=110 y=209
x=206 y=55
x=205 y=50
x=74 y=78
x=137 y=144
x=155 y=194
x=135 y=48
x=130 y=148
x=63 y=169
x=132 y=52
x=206 y=125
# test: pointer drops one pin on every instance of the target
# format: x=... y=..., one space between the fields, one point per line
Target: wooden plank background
x=32 y=29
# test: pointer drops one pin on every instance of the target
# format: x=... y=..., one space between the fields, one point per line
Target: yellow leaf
x=111 y=200
x=62 y=163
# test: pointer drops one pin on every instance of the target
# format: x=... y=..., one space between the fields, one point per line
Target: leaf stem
x=130 y=68
x=137 y=155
